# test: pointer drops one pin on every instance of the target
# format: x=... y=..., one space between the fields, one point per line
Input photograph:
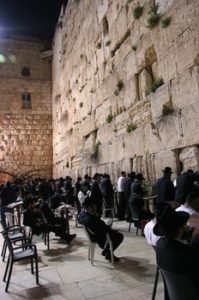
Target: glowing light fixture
x=2 y=59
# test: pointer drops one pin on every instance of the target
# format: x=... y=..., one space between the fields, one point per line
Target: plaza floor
x=66 y=273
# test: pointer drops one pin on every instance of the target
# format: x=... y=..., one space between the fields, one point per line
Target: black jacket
x=96 y=225
x=185 y=185
x=165 y=190
x=174 y=256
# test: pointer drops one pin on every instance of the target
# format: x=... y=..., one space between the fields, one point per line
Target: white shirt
x=121 y=184
x=81 y=196
x=185 y=207
x=151 y=237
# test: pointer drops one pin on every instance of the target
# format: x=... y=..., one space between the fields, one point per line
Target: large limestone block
x=88 y=126
x=119 y=27
x=116 y=149
x=152 y=141
x=167 y=69
x=102 y=9
x=106 y=133
x=101 y=113
x=190 y=124
x=185 y=54
x=158 y=99
x=185 y=88
x=162 y=159
x=130 y=93
x=189 y=157
x=113 y=12
x=106 y=89
x=169 y=131
x=133 y=142
x=130 y=65
x=123 y=50
x=164 y=5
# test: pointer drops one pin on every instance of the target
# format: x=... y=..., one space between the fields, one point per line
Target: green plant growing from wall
x=120 y=85
x=138 y=11
x=131 y=127
x=167 y=109
x=108 y=43
x=99 y=45
x=154 y=17
x=156 y=84
x=166 y=22
x=109 y=118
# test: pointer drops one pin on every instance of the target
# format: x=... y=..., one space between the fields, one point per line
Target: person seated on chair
x=42 y=219
x=90 y=219
x=174 y=252
x=84 y=192
x=191 y=205
x=136 y=201
x=57 y=224
x=33 y=217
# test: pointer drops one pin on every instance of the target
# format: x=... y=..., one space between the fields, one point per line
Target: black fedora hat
x=169 y=220
x=167 y=170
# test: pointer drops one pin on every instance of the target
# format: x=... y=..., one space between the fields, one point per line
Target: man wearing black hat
x=90 y=219
x=165 y=187
x=173 y=251
x=136 y=201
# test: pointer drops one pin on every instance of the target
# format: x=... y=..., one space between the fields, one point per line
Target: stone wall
x=25 y=133
x=108 y=112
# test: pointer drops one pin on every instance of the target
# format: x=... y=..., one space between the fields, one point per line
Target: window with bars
x=26 y=100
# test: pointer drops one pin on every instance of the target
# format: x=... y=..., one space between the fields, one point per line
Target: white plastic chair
x=92 y=244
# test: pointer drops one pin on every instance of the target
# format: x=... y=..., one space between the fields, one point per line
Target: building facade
x=25 y=108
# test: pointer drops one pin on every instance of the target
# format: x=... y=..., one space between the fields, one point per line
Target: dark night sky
x=35 y=18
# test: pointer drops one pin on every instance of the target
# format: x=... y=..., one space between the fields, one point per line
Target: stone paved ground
x=65 y=272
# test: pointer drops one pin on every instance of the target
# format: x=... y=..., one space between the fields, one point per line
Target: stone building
x=126 y=87
x=25 y=108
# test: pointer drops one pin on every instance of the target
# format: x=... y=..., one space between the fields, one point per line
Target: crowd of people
x=166 y=229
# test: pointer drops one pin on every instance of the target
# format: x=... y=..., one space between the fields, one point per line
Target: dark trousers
x=116 y=238
x=59 y=227
x=121 y=211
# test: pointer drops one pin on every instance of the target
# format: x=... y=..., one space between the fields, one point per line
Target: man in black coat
x=90 y=219
x=165 y=187
x=136 y=201
x=185 y=185
x=96 y=192
x=174 y=253
x=107 y=190
x=56 y=224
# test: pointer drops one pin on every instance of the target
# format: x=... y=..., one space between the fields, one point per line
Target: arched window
x=25 y=72
x=26 y=101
